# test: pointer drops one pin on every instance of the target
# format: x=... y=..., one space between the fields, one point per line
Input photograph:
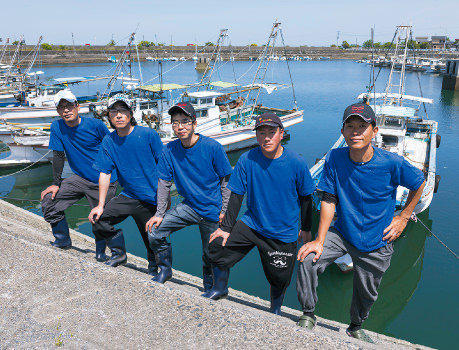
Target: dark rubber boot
x=100 y=250
x=118 y=249
x=165 y=265
x=152 y=265
x=220 y=287
x=61 y=234
x=277 y=297
x=207 y=281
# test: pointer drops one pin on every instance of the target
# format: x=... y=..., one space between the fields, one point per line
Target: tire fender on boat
x=438 y=140
x=437 y=182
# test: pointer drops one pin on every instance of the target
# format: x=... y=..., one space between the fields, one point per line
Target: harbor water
x=418 y=295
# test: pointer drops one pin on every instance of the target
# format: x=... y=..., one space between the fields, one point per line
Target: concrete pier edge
x=51 y=298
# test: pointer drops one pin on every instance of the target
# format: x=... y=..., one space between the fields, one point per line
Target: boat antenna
x=288 y=66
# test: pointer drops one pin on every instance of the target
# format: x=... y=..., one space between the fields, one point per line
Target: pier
x=51 y=298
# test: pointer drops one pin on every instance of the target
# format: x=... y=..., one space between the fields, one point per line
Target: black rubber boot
x=165 y=265
x=61 y=234
x=100 y=250
x=220 y=286
x=277 y=297
x=207 y=280
x=118 y=249
x=152 y=265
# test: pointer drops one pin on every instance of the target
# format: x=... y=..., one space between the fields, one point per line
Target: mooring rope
x=27 y=167
x=416 y=219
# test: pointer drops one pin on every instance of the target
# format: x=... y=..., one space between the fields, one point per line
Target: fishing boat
x=226 y=116
x=401 y=131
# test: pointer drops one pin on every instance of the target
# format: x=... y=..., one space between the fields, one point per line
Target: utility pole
x=337 y=37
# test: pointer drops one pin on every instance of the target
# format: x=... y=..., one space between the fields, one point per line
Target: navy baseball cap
x=183 y=107
x=361 y=110
x=270 y=119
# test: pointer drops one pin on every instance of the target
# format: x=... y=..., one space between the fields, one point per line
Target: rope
x=289 y=73
x=27 y=167
x=416 y=219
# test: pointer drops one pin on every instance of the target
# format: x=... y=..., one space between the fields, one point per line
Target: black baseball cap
x=361 y=110
x=270 y=119
x=183 y=107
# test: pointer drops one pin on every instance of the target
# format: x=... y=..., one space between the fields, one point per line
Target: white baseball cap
x=65 y=94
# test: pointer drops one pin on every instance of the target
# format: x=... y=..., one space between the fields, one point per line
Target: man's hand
x=95 y=214
x=220 y=233
x=304 y=236
x=156 y=221
x=51 y=189
x=395 y=229
x=310 y=247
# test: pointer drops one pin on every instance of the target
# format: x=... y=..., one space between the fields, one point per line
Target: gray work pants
x=369 y=268
x=72 y=189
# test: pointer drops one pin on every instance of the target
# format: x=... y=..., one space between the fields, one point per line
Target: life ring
x=437 y=182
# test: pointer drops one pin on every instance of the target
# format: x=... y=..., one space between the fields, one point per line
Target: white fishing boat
x=227 y=119
x=402 y=131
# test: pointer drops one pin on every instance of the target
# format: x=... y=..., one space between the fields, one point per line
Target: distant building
x=438 y=42
x=422 y=39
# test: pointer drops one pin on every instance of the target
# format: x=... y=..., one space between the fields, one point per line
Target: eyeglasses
x=69 y=106
x=186 y=122
x=115 y=111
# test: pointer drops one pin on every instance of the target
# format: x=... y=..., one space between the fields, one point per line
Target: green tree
x=62 y=47
x=143 y=43
x=253 y=44
x=333 y=45
x=209 y=43
x=15 y=42
x=378 y=45
x=111 y=43
x=424 y=45
x=345 y=45
x=388 y=45
x=368 y=44
x=46 y=46
x=412 y=44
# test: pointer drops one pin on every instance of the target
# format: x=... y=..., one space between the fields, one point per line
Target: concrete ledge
x=51 y=298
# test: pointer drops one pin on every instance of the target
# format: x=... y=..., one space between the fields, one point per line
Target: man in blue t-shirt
x=132 y=152
x=361 y=182
x=278 y=187
x=79 y=139
x=200 y=169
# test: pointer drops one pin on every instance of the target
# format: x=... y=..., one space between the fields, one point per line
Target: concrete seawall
x=51 y=298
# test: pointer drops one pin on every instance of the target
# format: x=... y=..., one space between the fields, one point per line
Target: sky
x=311 y=23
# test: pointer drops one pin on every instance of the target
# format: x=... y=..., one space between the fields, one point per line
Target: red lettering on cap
x=181 y=104
x=358 y=108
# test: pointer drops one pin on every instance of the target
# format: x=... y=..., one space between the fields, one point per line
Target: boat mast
x=253 y=94
x=214 y=59
x=13 y=59
x=4 y=49
x=398 y=67
x=118 y=68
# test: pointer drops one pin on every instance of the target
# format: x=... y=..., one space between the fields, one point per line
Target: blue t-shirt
x=366 y=193
x=81 y=144
x=196 y=172
x=134 y=157
x=273 y=188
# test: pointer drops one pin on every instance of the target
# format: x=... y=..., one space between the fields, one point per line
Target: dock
x=50 y=298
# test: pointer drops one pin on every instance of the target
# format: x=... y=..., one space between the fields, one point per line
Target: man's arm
x=226 y=193
x=162 y=198
x=104 y=183
x=327 y=211
x=58 y=167
x=398 y=224
x=306 y=218
x=234 y=206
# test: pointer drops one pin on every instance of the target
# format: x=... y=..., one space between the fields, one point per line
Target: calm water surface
x=418 y=295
